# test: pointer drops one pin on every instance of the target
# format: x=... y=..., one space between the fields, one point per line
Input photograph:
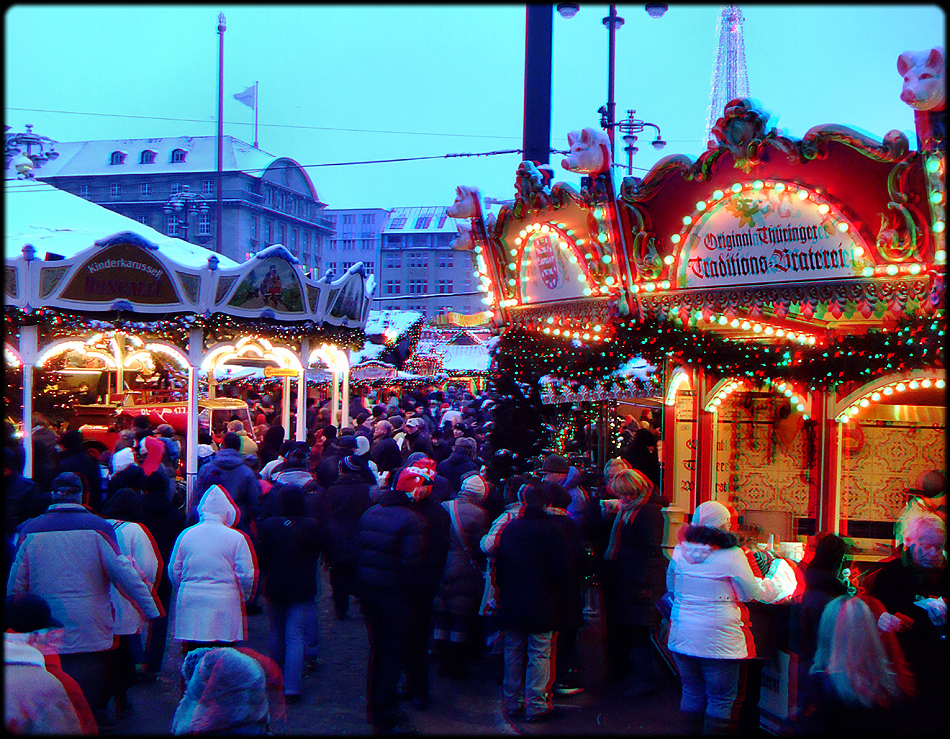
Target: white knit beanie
x=714 y=514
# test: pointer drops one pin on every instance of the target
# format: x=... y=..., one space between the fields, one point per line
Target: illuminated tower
x=729 y=77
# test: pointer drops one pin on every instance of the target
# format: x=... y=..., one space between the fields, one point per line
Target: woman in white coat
x=124 y=512
x=710 y=577
x=213 y=569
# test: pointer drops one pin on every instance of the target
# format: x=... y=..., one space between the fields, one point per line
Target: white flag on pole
x=248 y=97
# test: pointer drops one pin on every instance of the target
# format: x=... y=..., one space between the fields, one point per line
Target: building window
x=207 y=187
x=332 y=245
x=178 y=156
x=252 y=227
x=349 y=245
x=280 y=233
x=115 y=190
x=331 y=266
x=423 y=221
x=270 y=197
x=398 y=223
x=418 y=259
x=346 y=265
x=418 y=287
x=146 y=188
x=394 y=261
x=290 y=205
x=369 y=268
x=445 y=286
x=117 y=157
x=293 y=238
x=143 y=219
x=268 y=230
x=367 y=219
x=306 y=241
x=442 y=220
x=393 y=287
x=173 y=224
x=446 y=259
x=348 y=218
x=204 y=224
x=175 y=187
x=446 y=309
x=84 y=191
x=147 y=157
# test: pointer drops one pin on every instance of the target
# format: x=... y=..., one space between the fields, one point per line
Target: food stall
x=789 y=294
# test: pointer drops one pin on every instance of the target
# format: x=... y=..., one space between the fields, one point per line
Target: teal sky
x=355 y=83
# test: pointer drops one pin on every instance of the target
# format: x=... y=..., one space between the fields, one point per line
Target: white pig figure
x=467 y=203
x=924 y=78
x=590 y=152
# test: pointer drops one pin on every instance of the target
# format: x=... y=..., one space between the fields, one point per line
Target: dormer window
x=178 y=156
x=117 y=157
x=147 y=157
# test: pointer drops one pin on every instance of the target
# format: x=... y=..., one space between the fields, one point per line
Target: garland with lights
x=915 y=342
x=217 y=327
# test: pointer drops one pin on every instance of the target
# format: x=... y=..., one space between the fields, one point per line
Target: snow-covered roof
x=388 y=323
x=57 y=222
x=421 y=219
x=199 y=155
x=464 y=358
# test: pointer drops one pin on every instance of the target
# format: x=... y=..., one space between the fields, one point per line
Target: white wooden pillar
x=302 y=390
x=285 y=408
x=28 y=334
x=195 y=351
x=345 y=401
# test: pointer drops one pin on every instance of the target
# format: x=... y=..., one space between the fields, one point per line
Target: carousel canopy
x=67 y=254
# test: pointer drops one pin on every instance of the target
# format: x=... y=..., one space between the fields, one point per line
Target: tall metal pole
x=613 y=22
x=255 y=113
x=537 y=83
x=219 y=206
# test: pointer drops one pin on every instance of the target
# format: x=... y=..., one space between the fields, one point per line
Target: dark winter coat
x=390 y=548
x=454 y=467
x=237 y=479
x=531 y=566
x=288 y=552
x=338 y=509
x=82 y=464
x=385 y=453
x=634 y=581
x=463 y=581
x=821 y=587
x=571 y=612
x=436 y=553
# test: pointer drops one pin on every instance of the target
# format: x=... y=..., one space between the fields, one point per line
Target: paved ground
x=334 y=696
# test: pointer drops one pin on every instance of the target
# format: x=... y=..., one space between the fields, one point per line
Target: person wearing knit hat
x=390 y=576
x=710 y=577
x=463 y=581
x=69 y=557
x=461 y=461
x=419 y=476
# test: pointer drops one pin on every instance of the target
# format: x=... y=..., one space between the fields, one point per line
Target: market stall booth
x=788 y=292
x=131 y=301
x=786 y=297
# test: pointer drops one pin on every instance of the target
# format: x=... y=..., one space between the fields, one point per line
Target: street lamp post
x=26 y=162
x=613 y=22
x=630 y=127
x=185 y=203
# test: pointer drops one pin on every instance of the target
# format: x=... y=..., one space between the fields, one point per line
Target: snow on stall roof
x=55 y=221
x=392 y=323
x=465 y=358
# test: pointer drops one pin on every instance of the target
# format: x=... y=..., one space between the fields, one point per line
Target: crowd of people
x=452 y=558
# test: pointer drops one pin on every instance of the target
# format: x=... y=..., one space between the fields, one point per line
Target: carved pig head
x=924 y=78
x=590 y=152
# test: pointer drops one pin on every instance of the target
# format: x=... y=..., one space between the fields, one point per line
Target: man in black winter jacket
x=390 y=580
x=461 y=460
x=437 y=543
x=532 y=568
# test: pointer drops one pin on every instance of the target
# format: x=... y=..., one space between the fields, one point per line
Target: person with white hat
x=709 y=577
